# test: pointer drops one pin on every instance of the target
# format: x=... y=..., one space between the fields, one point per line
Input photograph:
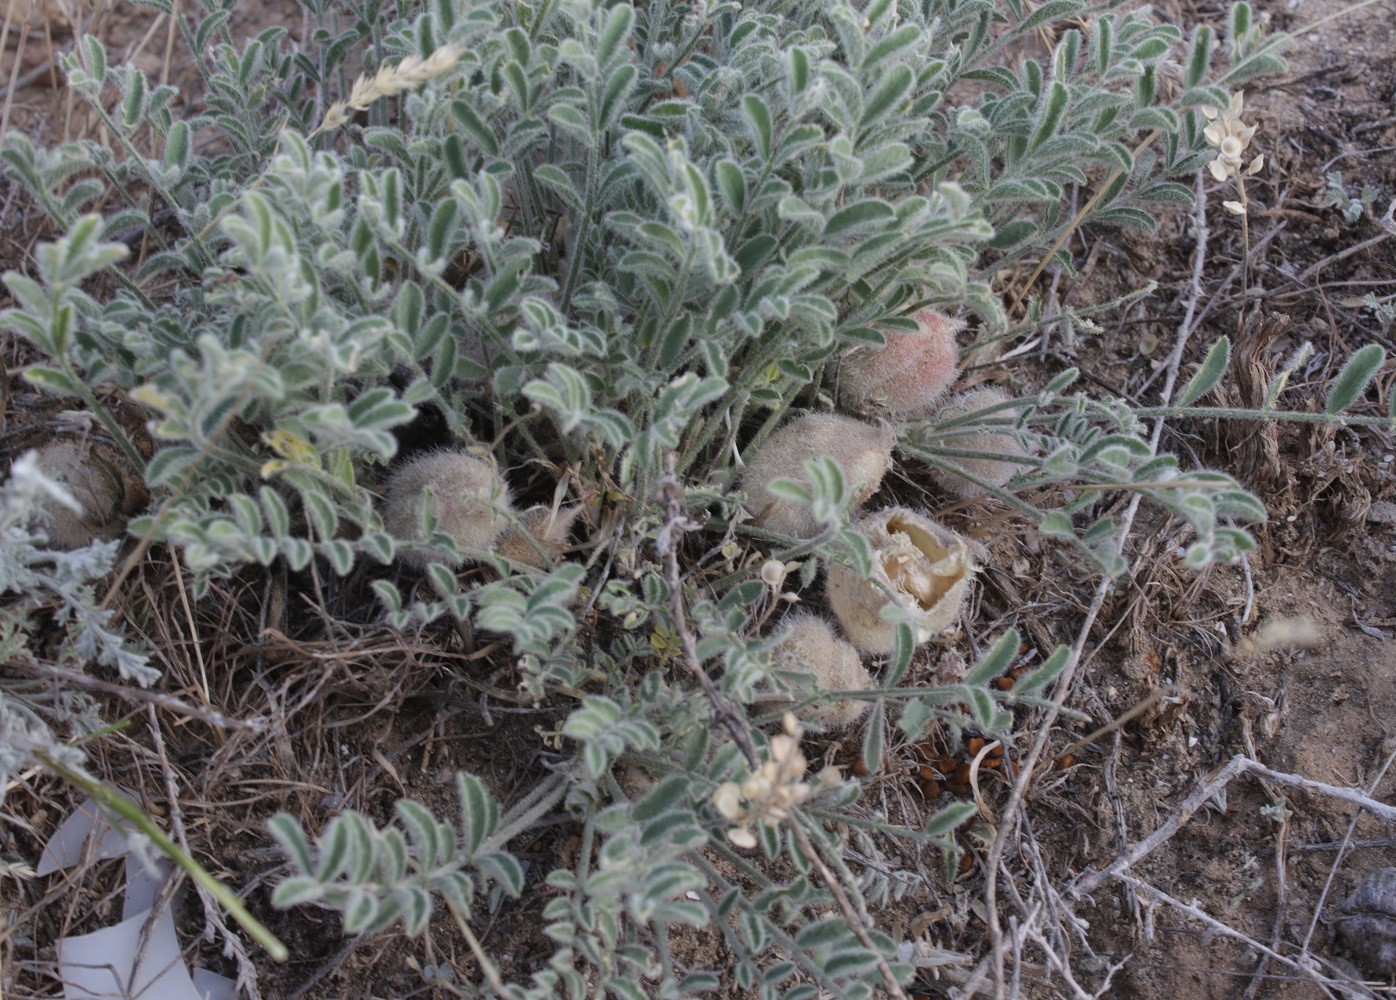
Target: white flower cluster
x=1230 y=136
x=771 y=793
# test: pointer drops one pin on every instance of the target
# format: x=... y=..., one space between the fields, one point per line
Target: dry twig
x=1205 y=791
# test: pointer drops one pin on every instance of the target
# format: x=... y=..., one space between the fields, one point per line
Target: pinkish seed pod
x=809 y=645
x=924 y=565
x=909 y=373
x=465 y=495
x=985 y=440
x=863 y=452
x=540 y=537
x=94 y=483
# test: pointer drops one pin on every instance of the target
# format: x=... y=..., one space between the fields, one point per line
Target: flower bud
x=863 y=452
x=909 y=373
x=926 y=567
x=992 y=472
x=96 y=484
x=807 y=644
x=465 y=495
x=538 y=528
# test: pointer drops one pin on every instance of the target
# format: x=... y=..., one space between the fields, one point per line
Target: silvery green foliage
x=611 y=915
x=1336 y=196
x=670 y=220
x=612 y=235
x=58 y=585
x=379 y=876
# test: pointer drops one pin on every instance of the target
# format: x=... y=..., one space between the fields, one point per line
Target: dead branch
x=131 y=693
x=1223 y=776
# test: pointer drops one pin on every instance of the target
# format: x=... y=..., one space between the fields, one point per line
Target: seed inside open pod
x=809 y=645
x=465 y=495
x=909 y=374
x=863 y=452
x=995 y=473
x=94 y=483
x=540 y=536
x=926 y=567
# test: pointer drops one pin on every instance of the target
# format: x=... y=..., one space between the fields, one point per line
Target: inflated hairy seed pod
x=990 y=471
x=909 y=374
x=926 y=566
x=465 y=495
x=809 y=645
x=540 y=536
x=96 y=484
x=1366 y=923
x=863 y=452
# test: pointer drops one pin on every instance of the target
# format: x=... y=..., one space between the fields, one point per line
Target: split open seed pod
x=990 y=471
x=863 y=452
x=465 y=495
x=540 y=537
x=924 y=566
x=807 y=644
x=909 y=374
x=96 y=484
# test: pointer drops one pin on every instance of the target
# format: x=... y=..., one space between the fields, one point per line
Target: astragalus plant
x=612 y=250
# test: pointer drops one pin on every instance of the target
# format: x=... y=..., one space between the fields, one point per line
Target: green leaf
x=950 y=818
x=177 y=146
x=1353 y=379
x=379 y=409
x=505 y=869
x=474 y=127
x=296 y=890
x=133 y=106
x=617 y=89
x=1051 y=11
x=874 y=737
x=758 y=118
x=894 y=87
x=894 y=43
x=478 y=811
x=1199 y=54
x=614 y=34
x=1053 y=110
x=291 y=837
x=731 y=184
x=556 y=180
x=168 y=466
x=1213 y=367
x=996 y=660
x=859 y=215
x=52 y=380
x=334 y=850
x=441 y=228
x=829 y=931
x=420 y=825
x=904 y=645
x=414 y=903
x=1035 y=680
x=662 y=797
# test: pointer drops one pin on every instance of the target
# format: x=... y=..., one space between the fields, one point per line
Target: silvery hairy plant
x=619 y=244
x=49 y=600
